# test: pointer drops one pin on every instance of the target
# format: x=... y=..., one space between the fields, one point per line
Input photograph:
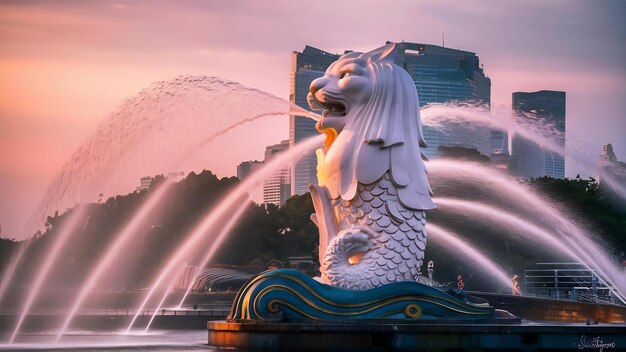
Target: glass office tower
x=527 y=158
x=308 y=65
x=444 y=75
x=277 y=189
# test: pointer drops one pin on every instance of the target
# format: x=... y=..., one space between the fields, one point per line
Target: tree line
x=264 y=232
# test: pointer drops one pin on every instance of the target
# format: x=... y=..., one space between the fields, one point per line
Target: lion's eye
x=344 y=74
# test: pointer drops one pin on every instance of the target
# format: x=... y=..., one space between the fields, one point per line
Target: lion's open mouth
x=333 y=109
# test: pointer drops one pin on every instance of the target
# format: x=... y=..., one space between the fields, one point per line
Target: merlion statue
x=373 y=190
x=369 y=208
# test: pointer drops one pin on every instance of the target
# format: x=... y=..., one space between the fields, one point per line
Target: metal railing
x=569 y=282
x=214 y=312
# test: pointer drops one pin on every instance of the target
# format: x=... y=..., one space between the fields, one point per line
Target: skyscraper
x=247 y=167
x=443 y=75
x=528 y=159
x=277 y=189
x=306 y=66
x=440 y=75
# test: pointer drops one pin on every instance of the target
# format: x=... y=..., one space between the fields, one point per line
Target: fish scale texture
x=395 y=237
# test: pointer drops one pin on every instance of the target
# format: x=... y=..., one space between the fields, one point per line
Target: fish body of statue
x=373 y=190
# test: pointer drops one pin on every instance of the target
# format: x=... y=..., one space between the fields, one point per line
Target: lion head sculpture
x=372 y=121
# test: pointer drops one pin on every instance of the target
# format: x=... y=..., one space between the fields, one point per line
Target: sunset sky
x=64 y=65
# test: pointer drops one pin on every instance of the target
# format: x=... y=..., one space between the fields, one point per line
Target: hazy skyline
x=66 y=65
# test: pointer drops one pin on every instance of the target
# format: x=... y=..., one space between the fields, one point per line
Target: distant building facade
x=277 y=189
x=528 y=159
x=306 y=66
x=247 y=167
x=444 y=75
x=144 y=183
x=440 y=75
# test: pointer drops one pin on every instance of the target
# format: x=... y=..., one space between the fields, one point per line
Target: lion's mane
x=385 y=134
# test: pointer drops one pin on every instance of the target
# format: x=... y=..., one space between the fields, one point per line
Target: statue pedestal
x=289 y=295
x=355 y=334
x=502 y=333
x=287 y=310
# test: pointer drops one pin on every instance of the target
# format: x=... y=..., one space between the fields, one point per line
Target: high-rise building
x=440 y=75
x=306 y=66
x=145 y=183
x=528 y=159
x=444 y=75
x=247 y=167
x=277 y=189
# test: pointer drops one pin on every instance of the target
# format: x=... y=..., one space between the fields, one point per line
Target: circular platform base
x=404 y=335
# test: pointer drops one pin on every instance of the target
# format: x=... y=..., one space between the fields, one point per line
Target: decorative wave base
x=285 y=310
x=289 y=295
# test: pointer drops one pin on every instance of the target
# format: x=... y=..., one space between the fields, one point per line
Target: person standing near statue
x=431 y=272
x=515 y=286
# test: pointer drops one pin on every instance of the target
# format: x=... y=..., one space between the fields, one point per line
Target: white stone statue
x=373 y=190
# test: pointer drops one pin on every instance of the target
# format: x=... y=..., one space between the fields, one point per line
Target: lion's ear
x=385 y=53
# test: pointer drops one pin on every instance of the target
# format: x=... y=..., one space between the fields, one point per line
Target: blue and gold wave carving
x=288 y=294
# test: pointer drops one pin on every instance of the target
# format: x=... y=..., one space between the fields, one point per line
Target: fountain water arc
x=123 y=237
x=67 y=230
x=492 y=213
x=225 y=230
x=213 y=249
x=587 y=249
x=124 y=129
x=168 y=288
x=115 y=248
x=183 y=111
x=215 y=216
x=522 y=227
x=470 y=251
x=127 y=233
x=436 y=116
x=293 y=110
x=6 y=278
